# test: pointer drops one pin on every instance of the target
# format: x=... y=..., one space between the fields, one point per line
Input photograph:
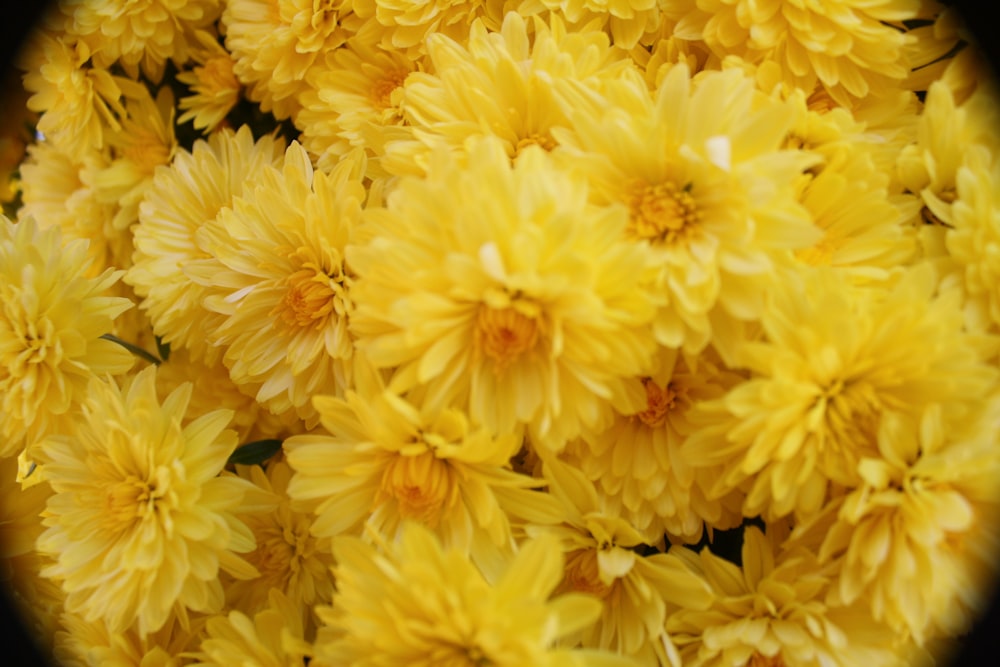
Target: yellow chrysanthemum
x=288 y=556
x=500 y=290
x=52 y=317
x=275 y=43
x=813 y=406
x=276 y=275
x=407 y=24
x=144 y=142
x=386 y=460
x=78 y=103
x=182 y=198
x=499 y=84
x=354 y=100
x=701 y=169
x=771 y=612
x=138 y=34
x=214 y=85
x=140 y=521
x=973 y=241
x=627 y=21
x=916 y=541
x=604 y=559
x=55 y=193
x=273 y=638
x=851 y=48
x=637 y=465
x=82 y=643
x=436 y=608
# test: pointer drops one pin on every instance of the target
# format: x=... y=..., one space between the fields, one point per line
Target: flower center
x=311 y=296
x=504 y=334
x=535 y=139
x=658 y=403
x=759 y=660
x=582 y=573
x=217 y=76
x=382 y=92
x=145 y=149
x=662 y=212
x=422 y=486
x=128 y=500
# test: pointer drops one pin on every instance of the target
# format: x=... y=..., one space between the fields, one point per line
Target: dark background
x=981 y=648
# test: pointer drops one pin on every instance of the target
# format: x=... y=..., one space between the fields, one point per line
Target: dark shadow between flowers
x=980 y=647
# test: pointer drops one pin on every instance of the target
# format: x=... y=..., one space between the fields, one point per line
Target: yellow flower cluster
x=501 y=332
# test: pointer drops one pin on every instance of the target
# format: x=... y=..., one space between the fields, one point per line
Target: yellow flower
x=818 y=391
x=627 y=21
x=182 y=198
x=916 y=541
x=277 y=276
x=55 y=193
x=851 y=48
x=140 y=521
x=290 y=559
x=498 y=289
x=213 y=82
x=354 y=100
x=52 y=317
x=499 y=84
x=273 y=637
x=604 y=558
x=637 y=463
x=82 y=643
x=700 y=167
x=386 y=460
x=275 y=43
x=435 y=608
x=973 y=241
x=144 y=142
x=78 y=103
x=771 y=612
x=138 y=33
x=409 y=23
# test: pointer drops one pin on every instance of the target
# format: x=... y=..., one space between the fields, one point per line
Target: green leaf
x=256 y=452
x=163 y=349
x=134 y=349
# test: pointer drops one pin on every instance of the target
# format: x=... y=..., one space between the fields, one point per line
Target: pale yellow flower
x=629 y=22
x=182 y=198
x=499 y=290
x=277 y=277
x=52 y=317
x=408 y=23
x=438 y=609
x=140 y=522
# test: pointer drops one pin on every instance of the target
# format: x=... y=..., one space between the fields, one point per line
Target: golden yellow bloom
x=814 y=404
x=275 y=43
x=701 y=169
x=182 y=199
x=82 y=643
x=438 y=609
x=213 y=83
x=140 y=522
x=273 y=637
x=499 y=290
x=851 y=48
x=973 y=241
x=138 y=34
x=386 y=460
x=354 y=100
x=52 y=317
x=290 y=559
x=771 y=612
x=637 y=464
x=55 y=193
x=277 y=276
x=499 y=84
x=915 y=542
x=78 y=103
x=603 y=559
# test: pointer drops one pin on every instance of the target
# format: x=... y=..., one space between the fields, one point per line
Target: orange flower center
x=422 y=486
x=535 y=139
x=661 y=212
x=658 y=403
x=310 y=297
x=759 y=660
x=504 y=334
x=216 y=76
x=582 y=574
x=383 y=89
